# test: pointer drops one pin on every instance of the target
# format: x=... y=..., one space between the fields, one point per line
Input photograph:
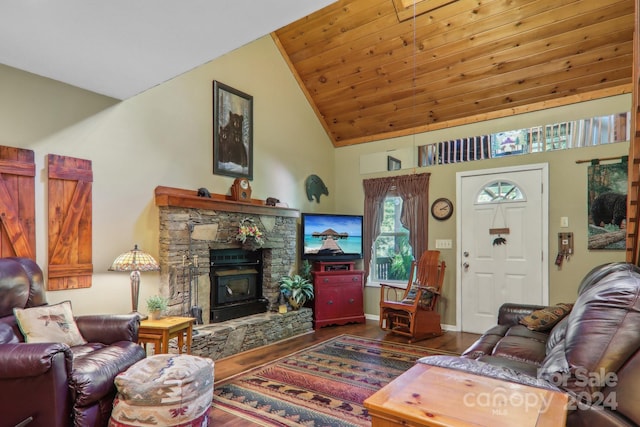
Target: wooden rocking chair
x=411 y=311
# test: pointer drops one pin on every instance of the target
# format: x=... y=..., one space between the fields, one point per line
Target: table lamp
x=135 y=261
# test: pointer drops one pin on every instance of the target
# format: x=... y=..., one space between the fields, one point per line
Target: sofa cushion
x=49 y=323
x=603 y=329
x=524 y=368
x=546 y=318
x=557 y=334
x=555 y=367
x=94 y=373
x=6 y=334
x=600 y=272
x=14 y=286
x=524 y=332
x=520 y=348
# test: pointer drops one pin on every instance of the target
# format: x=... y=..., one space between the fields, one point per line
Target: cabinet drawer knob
x=330 y=302
x=325 y=280
x=351 y=300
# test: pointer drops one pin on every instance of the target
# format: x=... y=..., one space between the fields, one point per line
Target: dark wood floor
x=227 y=367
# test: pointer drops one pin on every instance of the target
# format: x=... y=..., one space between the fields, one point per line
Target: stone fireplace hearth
x=190 y=226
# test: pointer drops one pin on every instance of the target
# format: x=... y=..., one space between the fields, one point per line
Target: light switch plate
x=444 y=243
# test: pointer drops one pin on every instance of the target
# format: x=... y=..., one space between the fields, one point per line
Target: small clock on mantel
x=241 y=190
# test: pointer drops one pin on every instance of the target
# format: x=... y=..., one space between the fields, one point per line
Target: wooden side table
x=436 y=397
x=159 y=332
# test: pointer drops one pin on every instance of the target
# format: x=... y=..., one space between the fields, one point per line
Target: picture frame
x=393 y=164
x=607 y=205
x=232 y=132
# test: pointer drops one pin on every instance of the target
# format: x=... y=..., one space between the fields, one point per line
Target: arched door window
x=500 y=191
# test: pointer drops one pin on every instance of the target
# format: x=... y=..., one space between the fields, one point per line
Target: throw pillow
x=545 y=318
x=425 y=297
x=49 y=323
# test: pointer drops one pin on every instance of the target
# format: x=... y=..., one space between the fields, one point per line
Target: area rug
x=323 y=385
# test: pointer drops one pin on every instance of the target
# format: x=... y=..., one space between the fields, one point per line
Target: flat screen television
x=331 y=237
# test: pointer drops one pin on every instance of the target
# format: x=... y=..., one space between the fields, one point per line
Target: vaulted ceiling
x=371 y=69
x=375 y=69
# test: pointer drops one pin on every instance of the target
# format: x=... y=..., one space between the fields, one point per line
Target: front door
x=503 y=242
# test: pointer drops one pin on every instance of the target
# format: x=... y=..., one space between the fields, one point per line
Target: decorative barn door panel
x=70 y=257
x=17 y=203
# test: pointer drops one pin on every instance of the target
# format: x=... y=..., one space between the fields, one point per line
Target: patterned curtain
x=414 y=191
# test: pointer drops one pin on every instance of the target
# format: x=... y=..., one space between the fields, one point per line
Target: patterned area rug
x=323 y=385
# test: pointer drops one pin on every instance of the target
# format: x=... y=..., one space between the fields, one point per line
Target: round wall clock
x=442 y=209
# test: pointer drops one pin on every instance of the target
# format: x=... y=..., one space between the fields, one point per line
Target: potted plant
x=305 y=269
x=297 y=289
x=155 y=306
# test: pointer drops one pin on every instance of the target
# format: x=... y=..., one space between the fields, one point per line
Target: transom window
x=558 y=136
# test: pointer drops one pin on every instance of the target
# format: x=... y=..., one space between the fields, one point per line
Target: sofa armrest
x=484 y=369
x=22 y=360
x=109 y=328
x=510 y=314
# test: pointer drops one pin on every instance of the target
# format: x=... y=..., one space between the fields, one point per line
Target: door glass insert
x=500 y=191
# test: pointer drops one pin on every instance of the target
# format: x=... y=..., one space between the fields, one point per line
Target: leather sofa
x=592 y=354
x=52 y=384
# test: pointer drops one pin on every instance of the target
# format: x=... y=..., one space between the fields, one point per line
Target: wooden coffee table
x=433 y=396
x=159 y=332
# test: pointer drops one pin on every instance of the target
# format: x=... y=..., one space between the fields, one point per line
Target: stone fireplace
x=191 y=227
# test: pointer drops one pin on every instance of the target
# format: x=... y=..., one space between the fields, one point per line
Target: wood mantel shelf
x=178 y=197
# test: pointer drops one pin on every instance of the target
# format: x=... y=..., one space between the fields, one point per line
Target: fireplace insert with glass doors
x=236 y=284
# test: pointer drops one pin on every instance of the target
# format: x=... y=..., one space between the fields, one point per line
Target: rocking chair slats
x=412 y=311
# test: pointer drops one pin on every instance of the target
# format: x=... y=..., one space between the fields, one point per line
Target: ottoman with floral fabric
x=164 y=390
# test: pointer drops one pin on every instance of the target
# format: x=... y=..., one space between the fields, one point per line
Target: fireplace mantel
x=177 y=197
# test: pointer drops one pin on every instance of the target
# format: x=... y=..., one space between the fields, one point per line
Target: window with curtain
x=392 y=253
x=392 y=205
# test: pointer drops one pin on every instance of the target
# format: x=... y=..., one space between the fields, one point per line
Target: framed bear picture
x=607 y=206
x=232 y=132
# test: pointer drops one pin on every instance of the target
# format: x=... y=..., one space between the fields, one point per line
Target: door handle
x=466 y=266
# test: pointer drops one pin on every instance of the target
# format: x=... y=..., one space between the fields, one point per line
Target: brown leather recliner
x=52 y=384
x=593 y=354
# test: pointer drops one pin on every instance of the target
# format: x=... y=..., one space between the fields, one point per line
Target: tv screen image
x=331 y=237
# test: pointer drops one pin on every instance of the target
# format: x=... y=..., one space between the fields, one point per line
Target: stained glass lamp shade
x=135 y=261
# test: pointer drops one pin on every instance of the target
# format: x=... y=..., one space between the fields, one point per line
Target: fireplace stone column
x=192 y=225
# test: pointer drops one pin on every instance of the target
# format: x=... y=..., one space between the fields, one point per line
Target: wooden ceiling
x=371 y=76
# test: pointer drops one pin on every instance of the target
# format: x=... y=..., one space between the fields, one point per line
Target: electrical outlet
x=444 y=244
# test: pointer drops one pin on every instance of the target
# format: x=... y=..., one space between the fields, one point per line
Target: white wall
x=161 y=137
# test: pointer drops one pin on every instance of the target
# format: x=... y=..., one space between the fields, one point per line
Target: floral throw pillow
x=546 y=318
x=49 y=323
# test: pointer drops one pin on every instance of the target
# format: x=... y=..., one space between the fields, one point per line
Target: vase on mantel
x=250 y=244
